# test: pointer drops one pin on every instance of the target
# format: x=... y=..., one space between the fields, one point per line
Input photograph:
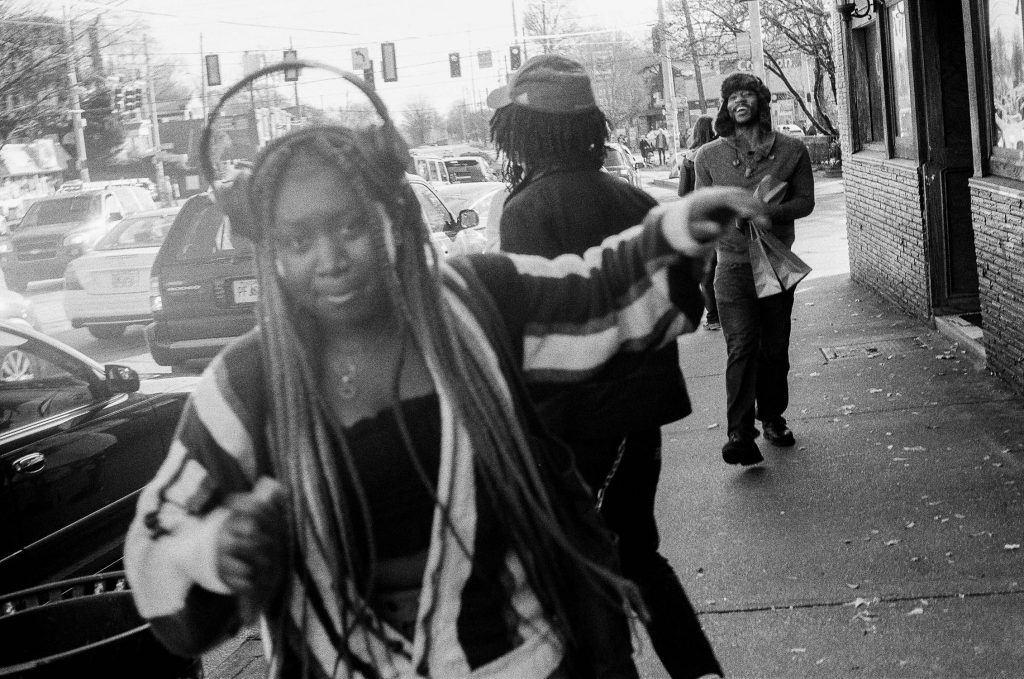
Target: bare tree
x=617 y=68
x=546 y=19
x=420 y=119
x=802 y=26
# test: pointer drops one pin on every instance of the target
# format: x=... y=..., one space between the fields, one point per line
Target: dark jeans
x=707 y=287
x=628 y=510
x=757 y=341
x=661 y=156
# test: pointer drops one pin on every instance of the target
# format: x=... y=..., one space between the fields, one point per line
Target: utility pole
x=756 y=41
x=154 y=123
x=694 y=58
x=668 y=85
x=202 y=78
x=76 y=104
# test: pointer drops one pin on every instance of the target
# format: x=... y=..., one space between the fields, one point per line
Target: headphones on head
x=234 y=196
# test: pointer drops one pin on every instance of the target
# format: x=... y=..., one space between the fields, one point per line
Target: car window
x=206 y=233
x=70 y=209
x=34 y=387
x=435 y=214
x=613 y=157
x=137 y=232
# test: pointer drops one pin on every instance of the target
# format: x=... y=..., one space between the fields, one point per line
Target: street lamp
x=849 y=10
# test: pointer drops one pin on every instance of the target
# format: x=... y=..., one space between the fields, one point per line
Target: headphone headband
x=388 y=133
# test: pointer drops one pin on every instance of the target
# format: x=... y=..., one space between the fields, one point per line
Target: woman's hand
x=693 y=223
x=252 y=545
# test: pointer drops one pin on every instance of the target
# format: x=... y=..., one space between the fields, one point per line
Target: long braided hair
x=529 y=138
x=311 y=453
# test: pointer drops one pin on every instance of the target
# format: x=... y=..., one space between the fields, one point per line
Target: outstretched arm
x=635 y=292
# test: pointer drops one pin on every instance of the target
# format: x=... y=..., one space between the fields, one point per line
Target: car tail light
x=156 y=302
x=71 y=280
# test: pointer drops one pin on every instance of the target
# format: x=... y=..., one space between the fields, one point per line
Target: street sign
x=389 y=68
x=484 y=58
x=360 y=58
x=212 y=70
x=743 y=45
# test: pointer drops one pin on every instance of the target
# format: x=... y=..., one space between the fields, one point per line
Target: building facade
x=931 y=99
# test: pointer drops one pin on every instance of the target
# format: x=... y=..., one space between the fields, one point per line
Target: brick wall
x=998 y=215
x=886 y=229
x=884 y=211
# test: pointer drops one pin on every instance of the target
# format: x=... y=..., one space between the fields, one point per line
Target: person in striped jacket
x=364 y=473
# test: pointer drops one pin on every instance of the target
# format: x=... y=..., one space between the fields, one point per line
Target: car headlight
x=77 y=238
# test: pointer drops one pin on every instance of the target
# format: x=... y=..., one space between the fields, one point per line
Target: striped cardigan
x=567 y=319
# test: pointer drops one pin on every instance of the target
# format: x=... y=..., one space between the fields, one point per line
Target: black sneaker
x=778 y=434
x=740 y=450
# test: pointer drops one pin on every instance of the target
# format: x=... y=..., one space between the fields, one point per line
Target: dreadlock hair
x=310 y=452
x=530 y=138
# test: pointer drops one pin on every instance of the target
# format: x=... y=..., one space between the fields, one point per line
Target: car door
x=72 y=461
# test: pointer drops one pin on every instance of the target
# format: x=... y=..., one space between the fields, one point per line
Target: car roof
x=159 y=212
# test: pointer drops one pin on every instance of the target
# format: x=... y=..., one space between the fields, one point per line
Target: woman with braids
x=552 y=134
x=363 y=471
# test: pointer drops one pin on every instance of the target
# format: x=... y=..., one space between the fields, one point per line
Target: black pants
x=628 y=510
x=707 y=287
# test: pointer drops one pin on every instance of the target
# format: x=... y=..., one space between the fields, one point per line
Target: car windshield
x=62 y=211
x=137 y=232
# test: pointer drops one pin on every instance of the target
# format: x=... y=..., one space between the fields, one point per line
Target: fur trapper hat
x=724 y=125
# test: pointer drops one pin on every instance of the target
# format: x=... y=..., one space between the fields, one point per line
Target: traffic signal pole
x=161 y=180
x=76 y=105
x=668 y=86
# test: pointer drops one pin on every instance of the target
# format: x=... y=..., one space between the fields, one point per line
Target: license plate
x=245 y=290
x=121 y=280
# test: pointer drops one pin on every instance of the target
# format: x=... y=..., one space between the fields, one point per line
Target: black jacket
x=562 y=210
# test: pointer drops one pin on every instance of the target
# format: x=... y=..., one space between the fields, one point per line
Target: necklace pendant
x=347 y=389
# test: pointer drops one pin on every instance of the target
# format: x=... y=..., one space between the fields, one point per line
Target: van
x=61 y=227
x=433 y=170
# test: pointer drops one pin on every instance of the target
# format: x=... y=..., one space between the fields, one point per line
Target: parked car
x=78 y=441
x=107 y=289
x=61 y=227
x=203 y=285
x=618 y=160
x=484 y=198
x=790 y=128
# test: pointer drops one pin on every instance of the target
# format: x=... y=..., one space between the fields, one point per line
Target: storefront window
x=903 y=114
x=866 y=85
x=1006 y=49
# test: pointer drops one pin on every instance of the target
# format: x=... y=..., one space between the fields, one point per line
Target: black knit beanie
x=734 y=82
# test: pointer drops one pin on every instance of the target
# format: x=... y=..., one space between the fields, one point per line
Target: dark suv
x=202 y=287
x=203 y=283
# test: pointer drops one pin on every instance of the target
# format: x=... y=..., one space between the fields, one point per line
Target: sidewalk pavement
x=886 y=543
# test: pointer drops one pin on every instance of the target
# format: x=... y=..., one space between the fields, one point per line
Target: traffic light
x=515 y=57
x=291 y=74
x=368 y=76
x=454 y=65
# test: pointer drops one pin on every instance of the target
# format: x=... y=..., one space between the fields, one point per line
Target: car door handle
x=32 y=463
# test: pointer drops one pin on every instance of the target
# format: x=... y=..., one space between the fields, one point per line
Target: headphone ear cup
x=233 y=199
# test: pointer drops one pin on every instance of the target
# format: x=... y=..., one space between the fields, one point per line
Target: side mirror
x=121 y=379
x=115 y=217
x=468 y=219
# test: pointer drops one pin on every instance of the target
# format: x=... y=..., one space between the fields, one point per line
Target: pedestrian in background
x=363 y=468
x=661 y=143
x=552 y=133
x=756 y=330
x=702 y=132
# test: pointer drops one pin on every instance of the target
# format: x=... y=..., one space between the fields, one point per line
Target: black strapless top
x=401 y=504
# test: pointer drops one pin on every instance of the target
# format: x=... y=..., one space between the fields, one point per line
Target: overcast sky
x=424 y=33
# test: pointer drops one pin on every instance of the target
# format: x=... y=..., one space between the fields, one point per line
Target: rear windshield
x=613 y=158
x=137 y=232
x=62 y=211
x=203 y=232
x=465 y=171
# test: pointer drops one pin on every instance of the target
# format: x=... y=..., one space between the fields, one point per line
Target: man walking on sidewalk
x=552 y=133
x=756 y=330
